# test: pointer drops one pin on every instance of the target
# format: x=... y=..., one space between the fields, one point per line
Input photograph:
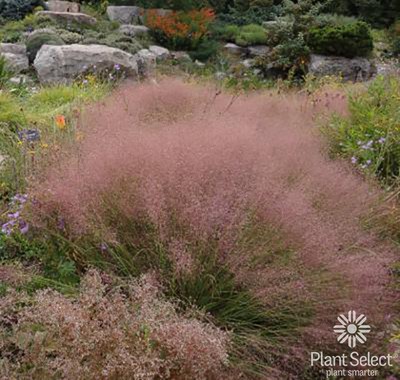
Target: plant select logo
x=352 y=329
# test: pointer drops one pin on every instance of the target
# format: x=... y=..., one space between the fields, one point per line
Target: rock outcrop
x=15 y=56
x=62 y=64
x=62 y=6
x=124 y=14
x=356 y=69
x=65 y=17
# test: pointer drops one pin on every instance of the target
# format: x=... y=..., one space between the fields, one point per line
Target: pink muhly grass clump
x=196 y=165
x=110 y=334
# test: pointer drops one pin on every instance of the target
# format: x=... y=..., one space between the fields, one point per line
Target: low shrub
x=251 y=35
x=349 y=40
x=17 y=9
x=180 y=30
x=205 y=50
x=369 y=136
x=288 y=59
x=36 y=41
x=253 y=15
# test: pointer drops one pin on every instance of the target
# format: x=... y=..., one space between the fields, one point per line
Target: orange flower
x=60 y=121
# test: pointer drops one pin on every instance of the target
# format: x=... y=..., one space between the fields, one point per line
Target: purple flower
x=85 y=81
x=103 y=247
x=14 y=216
x=382 y=140
x=117 y=67
x=23 y=227
x=21 y=198
x=7 y=228
x=368 y=162
x=354 y=160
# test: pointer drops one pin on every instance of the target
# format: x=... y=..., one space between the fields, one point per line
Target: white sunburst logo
x=352 y=329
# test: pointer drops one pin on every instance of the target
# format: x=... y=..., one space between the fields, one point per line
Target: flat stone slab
x=62 y=6
x=80 y=18
x=133 y=30
x=124 y=14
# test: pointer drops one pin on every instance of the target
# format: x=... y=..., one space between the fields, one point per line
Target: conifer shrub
x=350 y=40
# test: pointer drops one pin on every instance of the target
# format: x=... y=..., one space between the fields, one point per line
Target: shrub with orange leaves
x=180 y=30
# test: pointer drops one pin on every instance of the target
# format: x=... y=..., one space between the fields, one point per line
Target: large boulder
x=66 y=17
x=62 y=6
x=133 y=30
x=124 y=14
x=62 y=64
x=147 y=62
x=16 y=57
x=356 y=69
x=234 y=49
x=258 y=51
x=160 y=52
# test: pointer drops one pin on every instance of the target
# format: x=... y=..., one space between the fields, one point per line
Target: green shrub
x=17 y=9
x=251 y=35
x=279 y=31
x=36 y=41
x=350 y=40
x=70 y=37
x=206 y=50
x=253 y=15
x=287 y=59
x=231 y=32
x=370 y=136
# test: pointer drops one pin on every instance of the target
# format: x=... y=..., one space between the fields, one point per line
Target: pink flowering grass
x=128 y=331
x=176 y=176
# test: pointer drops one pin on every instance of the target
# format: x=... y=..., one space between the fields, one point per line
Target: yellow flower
x=60 y=121
x=19 y=143
x=44 y=146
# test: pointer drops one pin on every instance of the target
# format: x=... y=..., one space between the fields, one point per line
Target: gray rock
x=61 y=64
x=15 y=56
x=63 y=17
x=389 y=68
x=235 y=49
x=20 y=79
x=356 y=69
x=147 y=62
x=248 y=63
x=133 y=30
x=62 y=6
x=258 y=51
x=181 y=56
x=12 y=48
x=160 y=52
x=124 y=14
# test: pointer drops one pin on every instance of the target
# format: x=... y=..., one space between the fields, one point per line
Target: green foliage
x=379 y=13
x=253 y=15
x=5 y=72
x=17 y=9
x=350 y=40
x=205 y=50
x=288 y=59
x=36 y=41
x=251 y=35
x=10 y=112
x=370 y=136
x=13 y=31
